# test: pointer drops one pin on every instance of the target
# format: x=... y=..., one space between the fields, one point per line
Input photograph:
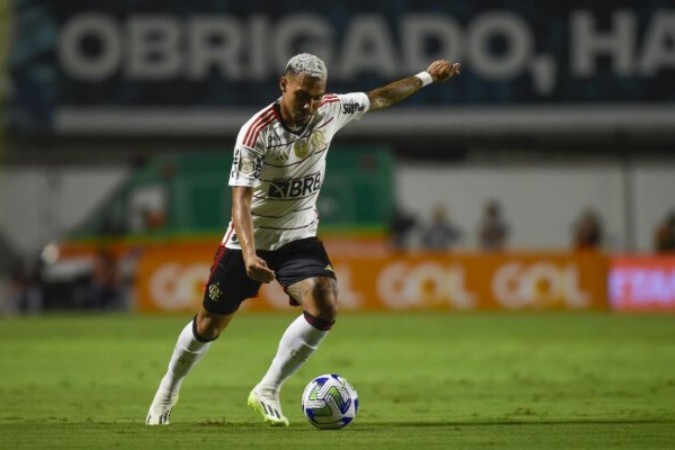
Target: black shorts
x=229 y=285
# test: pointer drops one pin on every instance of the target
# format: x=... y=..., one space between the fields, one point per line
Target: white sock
x=297 y=344
x=186 y=354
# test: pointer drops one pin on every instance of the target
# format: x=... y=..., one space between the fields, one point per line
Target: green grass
x=426 y=381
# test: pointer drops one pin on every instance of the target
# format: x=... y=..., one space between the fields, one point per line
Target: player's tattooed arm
x=393 y=93
x=256 y=267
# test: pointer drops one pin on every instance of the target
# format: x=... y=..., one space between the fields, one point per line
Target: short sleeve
x=247 y=162
x=246 y=167
x=351 y=106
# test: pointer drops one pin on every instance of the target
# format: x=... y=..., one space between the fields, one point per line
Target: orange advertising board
x=172 y=279
x=642 y=283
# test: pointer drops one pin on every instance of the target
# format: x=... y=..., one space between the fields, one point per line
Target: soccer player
x=278 y=168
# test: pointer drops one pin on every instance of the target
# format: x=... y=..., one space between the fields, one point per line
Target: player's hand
x=442 y=70
x=256 y=269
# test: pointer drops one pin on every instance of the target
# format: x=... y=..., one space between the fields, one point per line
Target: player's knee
x=325 y=295
x=208 y=326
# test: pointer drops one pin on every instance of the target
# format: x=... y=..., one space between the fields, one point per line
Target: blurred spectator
x=587 y=231
x=441 y=234
x=664 y=234
x=493 y=231
x=8 y=254
x=105 y=286
x=400 y=227
x=25 y=292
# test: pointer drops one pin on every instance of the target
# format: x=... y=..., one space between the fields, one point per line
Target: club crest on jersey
x=295 y=187
x=301 y=148
x=318 y=140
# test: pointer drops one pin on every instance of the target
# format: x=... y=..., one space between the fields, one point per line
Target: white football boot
x=266 y=402
x=160 y=408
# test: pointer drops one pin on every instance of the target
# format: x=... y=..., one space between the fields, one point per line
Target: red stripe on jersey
x=256 y=132
x=255 y=126
x=276 y=113
x=329 y=99
x=261 y=114
x=263 y=117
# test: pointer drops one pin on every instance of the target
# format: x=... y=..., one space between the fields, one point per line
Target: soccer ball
x=330 y=402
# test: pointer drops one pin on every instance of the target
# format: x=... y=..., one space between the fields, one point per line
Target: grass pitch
x=425 y=381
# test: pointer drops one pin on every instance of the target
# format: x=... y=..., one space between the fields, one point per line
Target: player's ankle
x=267 y=389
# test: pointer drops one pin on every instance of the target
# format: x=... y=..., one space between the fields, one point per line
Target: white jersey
x=287 y=169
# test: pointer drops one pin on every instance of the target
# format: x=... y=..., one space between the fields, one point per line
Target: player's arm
x=256 y=267
x=395 y=92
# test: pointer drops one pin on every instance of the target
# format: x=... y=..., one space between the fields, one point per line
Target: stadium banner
x=642 y=283
x=202 y=67
x=169 y=280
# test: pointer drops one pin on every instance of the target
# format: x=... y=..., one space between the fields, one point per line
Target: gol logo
x=541 y=284
x=176 y=286
x=401 y=285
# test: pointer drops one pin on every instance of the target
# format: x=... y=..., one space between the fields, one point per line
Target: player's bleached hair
x=309 y=64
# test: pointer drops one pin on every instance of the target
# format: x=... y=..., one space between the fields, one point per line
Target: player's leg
x=215 y=314
x=192 y=344
x=318 y=298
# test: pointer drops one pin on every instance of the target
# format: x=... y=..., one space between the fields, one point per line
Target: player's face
x=301 y=96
